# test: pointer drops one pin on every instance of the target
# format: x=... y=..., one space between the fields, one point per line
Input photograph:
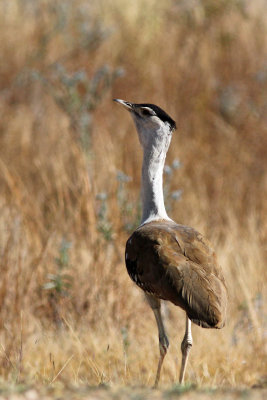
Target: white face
x=152 y=131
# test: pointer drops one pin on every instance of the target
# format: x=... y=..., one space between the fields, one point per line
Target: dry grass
x=204 y=63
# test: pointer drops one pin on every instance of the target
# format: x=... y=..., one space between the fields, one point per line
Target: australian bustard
x=167 y=260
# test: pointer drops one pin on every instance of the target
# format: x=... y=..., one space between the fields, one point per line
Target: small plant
x=59 y=282
x=78 y=95
x=126 y=344
x=171 y=196
x=178 y=389
x=130 y=210
x=104 y=226
x=75 y=92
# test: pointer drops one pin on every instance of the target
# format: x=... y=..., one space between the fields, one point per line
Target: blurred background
x=70 y=166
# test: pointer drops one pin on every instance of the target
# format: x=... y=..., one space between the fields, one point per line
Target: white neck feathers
x=152 y=186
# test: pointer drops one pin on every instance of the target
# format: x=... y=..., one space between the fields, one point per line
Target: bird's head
x=154 y=126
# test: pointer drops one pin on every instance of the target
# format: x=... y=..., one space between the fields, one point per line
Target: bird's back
x=176 y=263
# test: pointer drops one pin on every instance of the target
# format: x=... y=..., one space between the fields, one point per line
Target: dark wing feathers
x=176 y=263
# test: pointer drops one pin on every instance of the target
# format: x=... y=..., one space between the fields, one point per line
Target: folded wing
x=176 y=263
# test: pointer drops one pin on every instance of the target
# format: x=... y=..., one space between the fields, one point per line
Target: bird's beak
x=128 y=106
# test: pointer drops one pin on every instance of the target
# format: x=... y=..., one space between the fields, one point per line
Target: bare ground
x=134 y=393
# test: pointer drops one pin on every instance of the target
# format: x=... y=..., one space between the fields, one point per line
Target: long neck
x=152 y=186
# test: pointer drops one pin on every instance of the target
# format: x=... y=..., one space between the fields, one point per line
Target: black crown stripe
x=160 y=113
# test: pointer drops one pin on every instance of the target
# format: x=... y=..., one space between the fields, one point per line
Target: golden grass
x=205 y=66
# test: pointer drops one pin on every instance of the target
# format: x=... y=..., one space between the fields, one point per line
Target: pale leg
x=163 y=339
x=185 y=347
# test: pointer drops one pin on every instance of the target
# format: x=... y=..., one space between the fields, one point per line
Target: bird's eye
x=147 y=112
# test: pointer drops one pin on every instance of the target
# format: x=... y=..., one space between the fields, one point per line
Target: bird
x=170 y=261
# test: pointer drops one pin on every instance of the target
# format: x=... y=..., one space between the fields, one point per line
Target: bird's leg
x=163 y=339
x=185 y=347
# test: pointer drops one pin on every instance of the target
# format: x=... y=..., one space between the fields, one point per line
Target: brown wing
x=176 y=263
